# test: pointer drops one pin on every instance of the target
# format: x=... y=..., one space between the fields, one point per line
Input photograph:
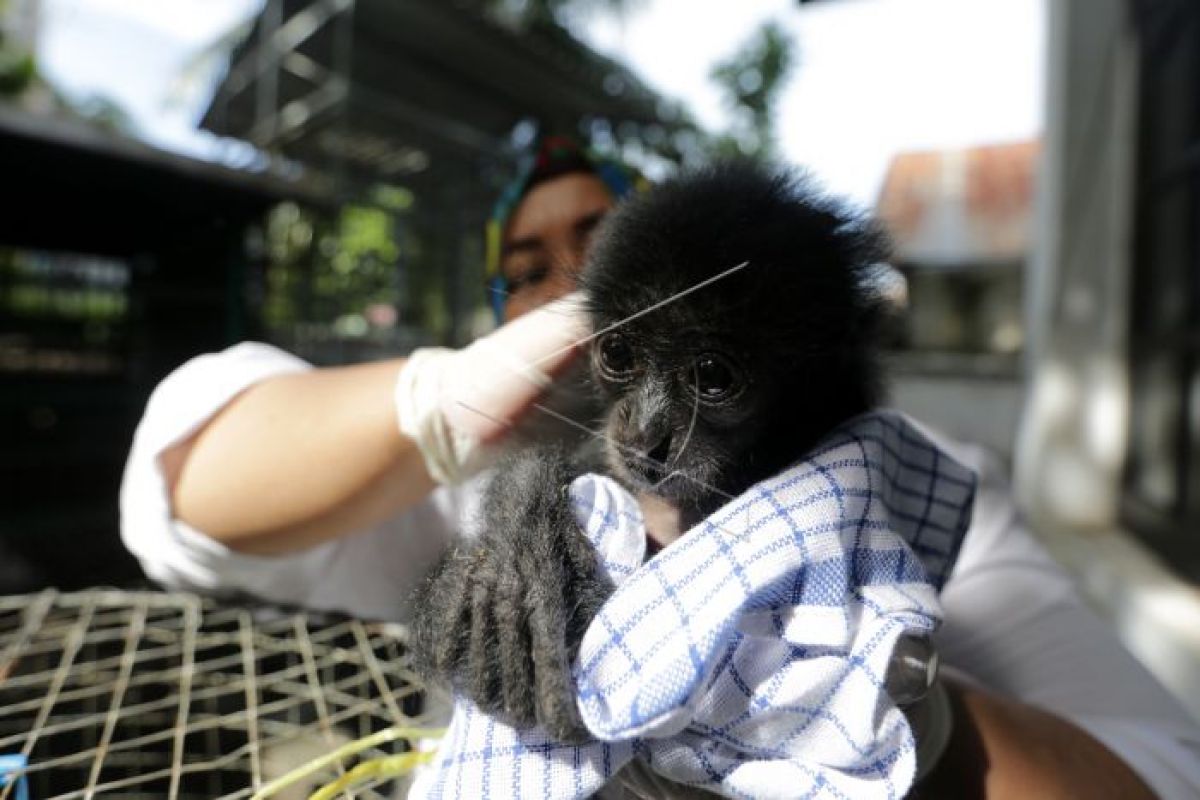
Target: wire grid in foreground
x=145 y=695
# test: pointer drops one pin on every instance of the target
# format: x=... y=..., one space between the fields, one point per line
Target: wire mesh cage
x=150 y=695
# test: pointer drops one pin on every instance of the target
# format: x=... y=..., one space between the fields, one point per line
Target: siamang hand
x=501 y=617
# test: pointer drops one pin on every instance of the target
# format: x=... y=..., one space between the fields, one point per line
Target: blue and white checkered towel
x=749 y=656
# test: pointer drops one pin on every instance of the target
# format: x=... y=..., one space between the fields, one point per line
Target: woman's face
x=547 y=239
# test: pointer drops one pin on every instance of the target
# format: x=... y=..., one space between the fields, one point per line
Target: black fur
x=789 y=342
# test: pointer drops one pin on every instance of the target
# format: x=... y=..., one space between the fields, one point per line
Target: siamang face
x=734 y=330
x=682 y=421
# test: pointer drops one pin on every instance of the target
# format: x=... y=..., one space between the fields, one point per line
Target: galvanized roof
x=954 y=208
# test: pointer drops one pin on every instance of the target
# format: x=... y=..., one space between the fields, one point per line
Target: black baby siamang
x=708 y=385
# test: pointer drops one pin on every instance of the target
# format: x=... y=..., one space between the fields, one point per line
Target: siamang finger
x=513 y=648
x=445 y=616
x=481 y=678
x=553 y=687
x=587 y=588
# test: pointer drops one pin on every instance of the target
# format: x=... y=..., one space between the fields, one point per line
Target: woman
x=252 y=472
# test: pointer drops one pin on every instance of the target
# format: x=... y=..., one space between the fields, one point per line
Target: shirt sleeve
x=1016 y=624
x=368 y=573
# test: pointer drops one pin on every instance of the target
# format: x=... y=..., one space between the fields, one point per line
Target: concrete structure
x=1108 y=124
x=961 y=222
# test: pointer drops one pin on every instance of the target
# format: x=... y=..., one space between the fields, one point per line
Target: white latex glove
x=457 y=404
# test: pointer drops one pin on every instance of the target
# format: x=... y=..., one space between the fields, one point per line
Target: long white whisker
x=491 y=417
x=603 y=435
x=598 y=435
x=626 y=449
x=687 y=437
x=620 y=322
x=644 y=311
x=670 y=475
x=607 y=438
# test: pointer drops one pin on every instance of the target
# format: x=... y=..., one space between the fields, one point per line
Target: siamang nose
x=645 y=429
x=659 y=452
x=651 y=463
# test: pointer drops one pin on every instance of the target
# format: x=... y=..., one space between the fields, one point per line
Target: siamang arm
x=501 y=617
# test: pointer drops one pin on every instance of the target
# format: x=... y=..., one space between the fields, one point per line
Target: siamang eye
x=616 y=357
x=716 y=379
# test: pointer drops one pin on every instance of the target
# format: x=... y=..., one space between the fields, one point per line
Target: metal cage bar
x=142 y=694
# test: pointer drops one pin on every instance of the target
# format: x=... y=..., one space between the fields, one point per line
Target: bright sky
x=133 y=51
x=875 y=77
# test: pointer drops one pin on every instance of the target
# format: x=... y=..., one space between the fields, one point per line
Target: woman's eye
x=716 y=379
x=616 y=356
x=527 y=279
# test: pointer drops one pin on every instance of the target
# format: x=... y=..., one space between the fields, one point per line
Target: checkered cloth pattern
x=749 y=656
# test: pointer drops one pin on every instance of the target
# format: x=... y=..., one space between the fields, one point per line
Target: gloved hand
x=457 y=404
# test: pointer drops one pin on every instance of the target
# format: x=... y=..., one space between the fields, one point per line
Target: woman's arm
x=302 y=458
x=298 y=459
x=1067 y=711
x=1001 y=749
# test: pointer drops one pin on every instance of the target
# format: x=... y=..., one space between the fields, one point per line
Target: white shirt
x=370 y=573
x=1014 y=622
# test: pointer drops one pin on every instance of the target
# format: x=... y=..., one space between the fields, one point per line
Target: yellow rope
x=385 y=767
x=377 y=768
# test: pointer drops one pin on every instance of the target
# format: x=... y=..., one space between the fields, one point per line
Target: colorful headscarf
x=554 y=156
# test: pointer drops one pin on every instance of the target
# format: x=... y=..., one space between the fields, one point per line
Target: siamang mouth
x=673 y=484
x=653 y=548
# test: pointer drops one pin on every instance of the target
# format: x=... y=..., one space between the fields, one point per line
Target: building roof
x=955 y=208
x=79 y=188
x=429 y=82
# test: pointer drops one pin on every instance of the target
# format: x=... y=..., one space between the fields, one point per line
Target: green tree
x=17 y=67
x=322 y=268
x=751 y=80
